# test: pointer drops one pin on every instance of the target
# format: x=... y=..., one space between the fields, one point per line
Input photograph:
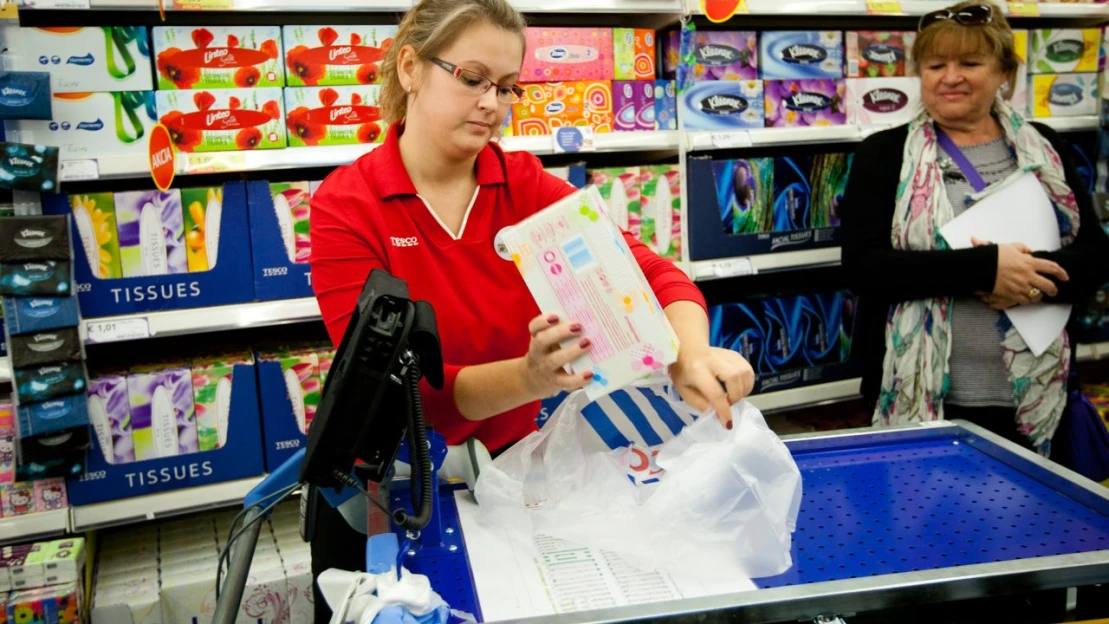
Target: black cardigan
x=882 y=276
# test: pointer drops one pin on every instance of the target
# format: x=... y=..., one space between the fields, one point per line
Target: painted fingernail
x=588 y=375
x=576 y=327
x=552 y=319
x=585 y=342
x=729 y=425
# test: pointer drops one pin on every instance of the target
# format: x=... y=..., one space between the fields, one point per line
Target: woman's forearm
x=485 y=390
x=690 y=323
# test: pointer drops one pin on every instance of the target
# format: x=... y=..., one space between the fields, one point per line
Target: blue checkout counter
x=890 y=518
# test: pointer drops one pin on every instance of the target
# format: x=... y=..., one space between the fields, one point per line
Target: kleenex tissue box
x=882 y=101
x=572 y=247
x=1058 y=50
x=723 y=105
x=1062 y=95
x=787 y=54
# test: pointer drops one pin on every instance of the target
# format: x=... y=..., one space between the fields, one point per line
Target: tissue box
x=791 y=193
x=202 y=211
x=218 y=57
x=334 y=115
x=42 y=383
x=34 y=238
x=725 y=55
x=293 y=210
x=879 y=53
x=723 y=105
x=47 y=347
x=91 y=125
x=110 y=416
x=800 y=54
x=163 y=417
x=557 y=54
x=57 y=604
x=82 y=59
x=1019 y=99
x=277 y=241
x=212 y=382
x=671 y=53
x=1063 y=95
x=882 y=101
x=50 y=278
x=335 y=55
x=24 y=315
x=7 y=444
x=633 y=53
x=619 y=188
x=571 y=247
x=223 y=119
x=798 y=103
x=661 y=205
x=17 y=499
x=634 y=104
x=745 y=194
x=739 y=327
x=828 y=178
x=94 y=217
x=52 y=416
x=151 y=233
x=666 y=105
x=1063 y=50
x=546 y=107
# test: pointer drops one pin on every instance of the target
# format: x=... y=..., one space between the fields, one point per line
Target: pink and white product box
x=882 y=101
x=634 y=104
x=556 y=54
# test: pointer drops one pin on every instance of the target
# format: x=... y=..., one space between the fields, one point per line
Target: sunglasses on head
x=977 y=15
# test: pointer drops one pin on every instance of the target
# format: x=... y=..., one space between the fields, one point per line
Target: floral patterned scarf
x=918 y=333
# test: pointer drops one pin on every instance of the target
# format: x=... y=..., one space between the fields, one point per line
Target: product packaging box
x=335 y=55
x=546 y=107
x=91 y=125
x=223 y=119
x=801 y=55
x=740 y=327
x=619 y=188
x=1019 y=98
x=882 y=101
x=326 y=358
x=343 y=115
x=82 y=59
x=50 y=495
x=745 y=192
x=218 y=57
x=558 y=54
x=56 y=604
x=46 y=347
x=34 y=238
x=110 y=416
x=47 y=278
x=1063 y=95
x=52 y=416
x=792 y=193
x=230 y=281
x=17 y=499
x=633 y=53
x=666 y=105
x=879 y=53
x=7 y=444
x=293 y=209
x=94 y=218
x=239 y=458
x=163 y=417
x=151 y=233
x=671 y=53
x=212 y=379
x=49 y=381
x=660 y=205
x=26 y=94
x=800 y=103
x=828 y=179
x=725 y=55
x=634 y=104
x=279 y=239
x=723 y=105
x=290 y=389
x=630 y=334
x=1063 y=50
x=202 y=211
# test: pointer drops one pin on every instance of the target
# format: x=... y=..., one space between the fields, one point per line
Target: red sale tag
x=722 y=10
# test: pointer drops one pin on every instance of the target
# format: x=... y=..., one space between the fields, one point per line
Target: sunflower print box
x=333 y=115
x=223 y=119
x=218 y=57
x=576 y=263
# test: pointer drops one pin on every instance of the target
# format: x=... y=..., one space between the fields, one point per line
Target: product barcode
x=577 y=252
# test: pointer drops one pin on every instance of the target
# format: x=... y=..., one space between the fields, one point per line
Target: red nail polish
x=576 y=327
x=552 y=319
x=729 y=425
x=585 y=342
x=588 y=375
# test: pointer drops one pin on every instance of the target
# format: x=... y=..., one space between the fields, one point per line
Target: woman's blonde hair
x=950 y=37
x=430 y=27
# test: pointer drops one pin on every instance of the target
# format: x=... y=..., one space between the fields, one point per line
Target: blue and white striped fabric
x=640 y=416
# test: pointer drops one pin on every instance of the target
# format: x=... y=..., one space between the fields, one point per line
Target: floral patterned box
x=335 y=55
x=793 y=103
x=547 y=106
x=223 y=119
x=723 y=105
x=221 y=57
x=333 y=115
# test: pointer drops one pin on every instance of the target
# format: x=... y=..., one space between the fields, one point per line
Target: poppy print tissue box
x=218 y=57
x=333 y=115
x=335 y=55
x=223 y=119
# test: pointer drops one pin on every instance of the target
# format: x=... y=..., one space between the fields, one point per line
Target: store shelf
x=1092 y=351
x=34 y=526
x=908 y=7
x=199 y=320
x=809 y=395
x=1066 y=124
x=704 y=270
x=598 y=6
x=5 y=370
x=700 y=140
x=155 y=506
x=603 y=141
x=382 y=6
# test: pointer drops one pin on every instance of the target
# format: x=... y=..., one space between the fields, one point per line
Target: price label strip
x=884 y=7
x=117 y=330
x=74 y=170
x=572 y=139
x=731 y=140
x=213 y=163
x=733 y=267
x=1024 y=9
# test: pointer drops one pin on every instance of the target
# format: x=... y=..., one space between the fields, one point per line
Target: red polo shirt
x=367 y=215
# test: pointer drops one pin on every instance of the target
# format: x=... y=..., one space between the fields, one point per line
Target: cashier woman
x=426 y=205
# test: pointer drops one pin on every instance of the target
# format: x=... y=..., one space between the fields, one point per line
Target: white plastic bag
x=687 y=497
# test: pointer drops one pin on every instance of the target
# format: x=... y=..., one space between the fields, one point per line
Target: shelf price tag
x=732 y=267
x=57 y=4
x=1023 y=9
x=116 y=330
x=74 y=170
x=722 y=10
x=572 y=139
x=201 y=5
x=214 y=162
x=883 y=7
x=731 y=140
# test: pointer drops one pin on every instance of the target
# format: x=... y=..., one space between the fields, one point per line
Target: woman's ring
x=1035 y=292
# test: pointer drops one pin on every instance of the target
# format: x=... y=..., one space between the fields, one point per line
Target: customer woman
x=426 y=206
x=931 y=330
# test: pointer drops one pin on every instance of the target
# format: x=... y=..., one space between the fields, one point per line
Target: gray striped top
x=978 y=376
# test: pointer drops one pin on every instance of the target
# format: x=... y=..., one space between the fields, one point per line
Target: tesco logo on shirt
x=411 y=241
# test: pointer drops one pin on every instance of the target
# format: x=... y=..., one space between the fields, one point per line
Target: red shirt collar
x=392 y=178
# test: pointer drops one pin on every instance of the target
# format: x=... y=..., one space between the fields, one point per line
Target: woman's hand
x=542 y=368
x=1021 y=277
x=707 y=376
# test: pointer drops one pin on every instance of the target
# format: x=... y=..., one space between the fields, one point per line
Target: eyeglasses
x=977 y=15
x=506 y=94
